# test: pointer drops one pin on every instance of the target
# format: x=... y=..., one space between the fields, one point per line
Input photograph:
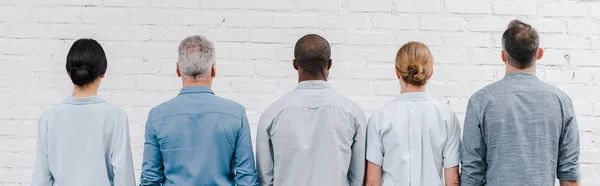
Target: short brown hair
x=520 y=42
x=414 y=63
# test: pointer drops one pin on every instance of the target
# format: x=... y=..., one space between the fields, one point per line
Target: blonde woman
x=413 y=138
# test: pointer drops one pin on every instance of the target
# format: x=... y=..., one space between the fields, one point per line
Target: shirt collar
x=414 y=96
x=195 y=89
x=313 y=84
x=520 y=75
x=83 y=101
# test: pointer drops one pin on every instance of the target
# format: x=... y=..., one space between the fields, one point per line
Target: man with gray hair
x=197 y=138
x=520 y=131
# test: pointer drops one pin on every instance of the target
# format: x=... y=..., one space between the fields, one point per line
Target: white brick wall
x=254 y=40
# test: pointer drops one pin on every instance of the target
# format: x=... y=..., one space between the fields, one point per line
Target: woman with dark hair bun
x=84 y=140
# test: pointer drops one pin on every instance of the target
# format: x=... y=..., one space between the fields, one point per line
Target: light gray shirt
x=83 y=141
x=413 y=139
x=519 y=131
x=311 y=136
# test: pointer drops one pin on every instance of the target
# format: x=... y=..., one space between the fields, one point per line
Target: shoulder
x=349 y=106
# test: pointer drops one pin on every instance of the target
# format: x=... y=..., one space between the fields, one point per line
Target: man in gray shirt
x=312 y=135
x=520 y=130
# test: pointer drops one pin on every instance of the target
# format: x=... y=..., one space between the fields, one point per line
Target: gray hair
x=196 y=56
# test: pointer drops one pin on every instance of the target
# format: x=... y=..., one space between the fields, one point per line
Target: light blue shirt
x=83 y=141
x=413 y=139
x=198 y=138
x=312 y=136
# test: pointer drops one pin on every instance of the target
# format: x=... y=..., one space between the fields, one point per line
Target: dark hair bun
x=416 y=75
x=86 y=61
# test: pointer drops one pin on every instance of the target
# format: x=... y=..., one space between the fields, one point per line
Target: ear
x=398 y=74
x=213 y=71
x=540 y=54
x=503 y=56
x=101 y=75
x=295 y=64
x=329 y=64
x=177 y=69
x=430 y=74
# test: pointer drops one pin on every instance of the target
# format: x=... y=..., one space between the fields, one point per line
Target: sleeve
x=474 y=149
x=451 y=153
x=121 y=160
x=152 y=165
x=264 y=151
x=375 y=151
x=356 y=172
x=245 y=171
x=568 y=149
x=41 y=174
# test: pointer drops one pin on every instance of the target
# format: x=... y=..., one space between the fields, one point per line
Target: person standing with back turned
x=413 y=138
x=312 y=135
x=84 y=140
x=520 y=131
x=197 y=138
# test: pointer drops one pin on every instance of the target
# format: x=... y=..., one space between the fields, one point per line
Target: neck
x=510 y=69
x=411 y=88
x=85 y=91
x=198 y=81
x=303 y=77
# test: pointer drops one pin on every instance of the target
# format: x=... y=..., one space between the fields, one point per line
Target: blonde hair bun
x=414 y=63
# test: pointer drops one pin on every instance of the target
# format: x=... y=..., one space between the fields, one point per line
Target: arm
x=474 y=149
x=245 y=172
x=374 y=153
x=356 y=172
x=569 y=183
x=451 y=153
x=152 y=166
x=451 y=176
x=121 y=160
x=41 y=174
x=264 y=151
x=568 y=147
x=373 y=174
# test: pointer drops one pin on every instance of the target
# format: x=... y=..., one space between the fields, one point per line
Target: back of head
x=196 y=56
x=414 y=63
x=520 y=42
x=86 y=61
x=312 y=53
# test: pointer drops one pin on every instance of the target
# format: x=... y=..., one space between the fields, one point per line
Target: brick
x=468 y=74
x=595 y=9
x=389 y=88
x=584 y=93
x=403 y=23
x=318 y=5
x=79 y=2
x=248 y=20
x=295 y=21
x=548 y=25
x=563 y=10
x=565 y=76
x=496 y=25
x=429 y=39
x=453 y=55
x=253 y=86
x=369 y=5
x=269 y=4
x=444 y=90
x=235 y=69
x=223 y=4
x=271 y=36
x=584 y=27
x=279 y=70
x=583 y=109
x=470 y=40
x=467 y=7
x=418 y=7
x=352 y=88
x=175 y=4
x=150 y=17
x=564 y=42
x=443 y=24
x=485 y=56
x=121 y=3
x=585 y=59
x=98 y=15
x=369 y=38
x=343 y=22
x=56 y=15
x=11 y=14
x=515 y=8
x=384 y=73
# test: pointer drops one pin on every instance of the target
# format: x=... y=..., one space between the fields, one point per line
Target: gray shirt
x=519 y=131
x=83 y=141
x=311 y=136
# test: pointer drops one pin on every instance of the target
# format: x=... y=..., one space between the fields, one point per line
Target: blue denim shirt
x=198 y=138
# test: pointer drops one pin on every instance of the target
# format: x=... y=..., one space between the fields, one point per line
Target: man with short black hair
x=520 y=130
x=312 y=135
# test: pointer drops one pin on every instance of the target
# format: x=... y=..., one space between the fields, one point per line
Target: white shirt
x=311 y=136
x=83 y=141
x=413 y=138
